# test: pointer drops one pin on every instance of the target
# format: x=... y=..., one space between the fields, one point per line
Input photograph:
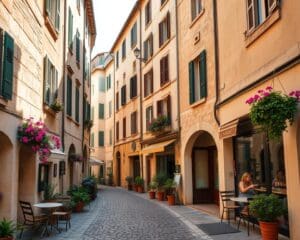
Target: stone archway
x=71 y=151
x=6 y=159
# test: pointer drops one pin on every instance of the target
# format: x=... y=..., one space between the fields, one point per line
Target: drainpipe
x=217 y=74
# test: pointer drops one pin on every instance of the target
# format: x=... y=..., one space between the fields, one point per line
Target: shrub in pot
x=90 y=185
x=160 y=179
x=152 y=189
x=139 y=182
x=129 y=181
x=169 y=187
x=267 y=208
x=7 y=229
x=79 y=198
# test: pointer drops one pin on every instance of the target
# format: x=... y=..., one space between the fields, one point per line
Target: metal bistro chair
x=228 y=205
x=31 y=220
x=246 y=216
x=63 y=214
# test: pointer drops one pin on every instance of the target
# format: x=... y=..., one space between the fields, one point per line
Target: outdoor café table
x=49 y=207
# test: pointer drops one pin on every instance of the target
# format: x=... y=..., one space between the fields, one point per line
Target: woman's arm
x=244 y=189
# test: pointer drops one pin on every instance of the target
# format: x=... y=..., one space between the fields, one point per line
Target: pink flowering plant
x=35 y=134
x=272 y=110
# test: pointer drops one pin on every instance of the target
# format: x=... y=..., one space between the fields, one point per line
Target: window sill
x=164 y=4
x=199 y=102
x=51 y=28
x=133 y=98
x=48 y=110
x=3 y=102
x=166 y=84
x=148 y=24
x=134 y=135
x=148 y=60
x=164 y=44
x=252 y=35
x=133 y=46
x=148 y=96
x=197 y=18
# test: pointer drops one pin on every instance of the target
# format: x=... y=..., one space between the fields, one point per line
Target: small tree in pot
x=79 y=198
x=129 y=181
x=139 y=182
x=160 y=179
x=267 y=208
x=152 y=189
x=170 y=186
x=7 y=229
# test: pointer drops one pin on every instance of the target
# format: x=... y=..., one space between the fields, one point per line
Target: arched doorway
x=71 y=165
x=84 y=162
x=203 y=157
x=6 y=157
x=118 y=168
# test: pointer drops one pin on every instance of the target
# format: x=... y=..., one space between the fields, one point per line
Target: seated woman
x=246 y=186
x=279 y=180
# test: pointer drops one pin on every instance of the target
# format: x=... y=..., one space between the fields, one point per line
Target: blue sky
x=110 y=16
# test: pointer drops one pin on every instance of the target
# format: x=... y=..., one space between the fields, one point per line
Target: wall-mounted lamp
x=137 y=53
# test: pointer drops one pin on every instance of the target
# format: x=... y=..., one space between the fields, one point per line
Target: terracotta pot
x=135 y=188
x=171 y=199
x=140 y=189
x=269 y=230
x=79 y=207
x=151 y=194
x=160 y=196
x=129 y=187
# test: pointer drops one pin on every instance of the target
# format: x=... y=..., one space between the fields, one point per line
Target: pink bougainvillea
x=35 y=134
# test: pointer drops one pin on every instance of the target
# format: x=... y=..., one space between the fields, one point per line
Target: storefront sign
x=228 y=130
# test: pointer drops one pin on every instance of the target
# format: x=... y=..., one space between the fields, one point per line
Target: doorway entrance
x=136 y=168
x=118 y=161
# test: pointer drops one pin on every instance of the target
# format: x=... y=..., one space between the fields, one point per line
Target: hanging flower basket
x=35 y=135
x=159 y=125
x=75 y=157
x=272 y=110
x=56 y=106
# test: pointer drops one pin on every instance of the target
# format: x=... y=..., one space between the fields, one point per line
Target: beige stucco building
x=32 y=42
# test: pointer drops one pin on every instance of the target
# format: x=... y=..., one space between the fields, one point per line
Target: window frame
x=164 y=26
x=148 y=13
x=148 y=76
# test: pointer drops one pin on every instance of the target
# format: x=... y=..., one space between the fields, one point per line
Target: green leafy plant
x=48 y=191
x=153 y=185
x=90 y=185
x=271 y=110
x=79 y=195
x=159 y=124
x=139 y=181
x=169 y=186
x=56 y=106
x=7 y=228
x=267 y=208
x=88 y=124
x=129 y=180
x=160 y=178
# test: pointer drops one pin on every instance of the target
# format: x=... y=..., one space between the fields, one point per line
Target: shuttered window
x=164 y=70
x=149 y=116
x=77 y=100
x=133 y=122
x=196 y=8
x=123 y=95
x=164 y=30
x=69 y=96
x=70 y=29
x=108 y=81
x=101 y=84
x=124 y=49
x=117 y=131
x=164 y=107
x=124 y=127
x=133 y=87
x=52 y=8
x=77 y=47
x=198 y=78
x=148 y=83
x=50 y=82
x=162 y=2
x=109 y=108
x=117 y=101
x=133 y=35
x=148 y=13
x=110 y=137
x=101 y=138
x=117 y=60
x=148 y=47
x=101 y=111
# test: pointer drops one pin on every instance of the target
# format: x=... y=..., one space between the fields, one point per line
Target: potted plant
x=272 y=110
x=90 y=185
x=169 y=187
x=79 y=198
x=129 y=181
x=152 y=189
x=159 y=125
x=160 y=179
x=139 y=182
x=7 y=229
x=56 y=106
x=267 y=208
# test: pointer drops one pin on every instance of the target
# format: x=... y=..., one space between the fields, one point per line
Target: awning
x=229 y=129
x=57 y=154
x=93 y=161
x=158 y=147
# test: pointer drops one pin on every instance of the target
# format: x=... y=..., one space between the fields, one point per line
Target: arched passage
x=118 y=169
x=71 y=164
x=6 y=157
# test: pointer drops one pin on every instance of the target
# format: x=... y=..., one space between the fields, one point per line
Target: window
x=108 y=81
x=148 y=47
x=149 y=116
x=70 y=29
x=50 y=82
x=101 y=111
x=123 y=95
x=164 y=70
x=197 y=78
x=110 y=137
x=258 y=11
x=101 y=139
x=133 y=35
x=53 y=12
x=101 y=84
x=117 y=131
x=148 y=83
x=164 y=30
x=117 y=101
x=77 y=47
x=92 y=140
x=162 y=2
x=69 y=96
x=133 y=87
x=117 y=59
x=77 y=105
x=164 y=107
x=109 y=109
x=124 y=49
x=148 y=14
x=6 y=65
x=124 y=127
x=196 y=8
x=134 y=122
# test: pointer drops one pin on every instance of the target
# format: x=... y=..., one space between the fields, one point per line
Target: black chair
x=227 y=204
x=244 y=214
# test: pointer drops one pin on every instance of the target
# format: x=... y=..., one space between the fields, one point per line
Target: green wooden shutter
x=57 y=15
x=77 y=105
x=69 y=96
x=8 y=67
x=46 y=81
x=77 y=47
x=146 y=50
x=70 y=29
x=202 y=70
x=101 y=138
x=192 y=82
x=101 y=111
